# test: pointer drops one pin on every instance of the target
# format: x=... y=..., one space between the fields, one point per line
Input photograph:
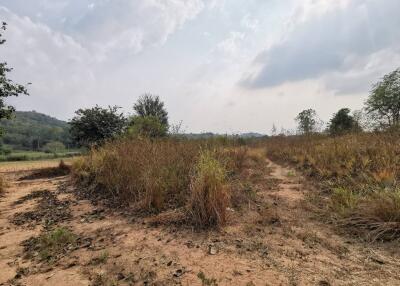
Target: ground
x=278 y=240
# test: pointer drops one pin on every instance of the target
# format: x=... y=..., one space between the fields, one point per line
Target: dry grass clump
x=209 y=197
x=152 y=174
x=361 y=170
x=3 y=184
x=162 y=175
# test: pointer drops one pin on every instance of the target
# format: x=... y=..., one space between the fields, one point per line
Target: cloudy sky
x=219 y=65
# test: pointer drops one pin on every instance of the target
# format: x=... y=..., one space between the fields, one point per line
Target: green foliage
x=53 y=244
x=384 y=101
x=307 y=121
x=54 y=147
x=30 y=130
x=148 y=126
x=93 y=126
x=342 y=122
x=7 y=87
x=149 y=105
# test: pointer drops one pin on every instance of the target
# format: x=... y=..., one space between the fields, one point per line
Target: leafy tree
x=147 y=126
x=93 y=126
x=7 y=87
x=307 y=121
x=150 y=119
x=151 y=105
x=54 y=147
x=383 y=103
x=342 y=122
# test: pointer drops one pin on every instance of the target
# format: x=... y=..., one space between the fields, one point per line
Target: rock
x=120 y=276
x=212 y=250
x=178 y=273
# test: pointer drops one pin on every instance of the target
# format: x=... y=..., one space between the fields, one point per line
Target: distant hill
x=30 y=130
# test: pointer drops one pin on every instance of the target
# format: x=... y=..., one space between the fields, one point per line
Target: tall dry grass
x=362 y=171
x=3 y=184
x=209 y=193
x=158 y=175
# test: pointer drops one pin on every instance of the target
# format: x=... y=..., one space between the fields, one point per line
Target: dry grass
x=209 y=196
x=3 y=184
x=361 y=171
x=161 y=175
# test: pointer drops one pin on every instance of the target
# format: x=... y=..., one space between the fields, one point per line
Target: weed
x=209 y=193
x=101 y=259
x=206 y=281
x=50 y=246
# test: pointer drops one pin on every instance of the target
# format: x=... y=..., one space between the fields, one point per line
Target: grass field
x=13 y=166
x=35 y=155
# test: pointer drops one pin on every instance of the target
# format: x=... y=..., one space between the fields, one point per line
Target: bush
x=149 y=126
x=209 y=196
x=54 y=147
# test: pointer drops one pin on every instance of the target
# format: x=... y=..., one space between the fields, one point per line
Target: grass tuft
x=209 y=197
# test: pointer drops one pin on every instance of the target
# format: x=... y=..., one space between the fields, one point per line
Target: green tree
x=307 y=121
x=54 y=147
x=383 y=103
x=342 y=122
x=148 y=126
x=92 y=126
x=150 y=119
x=151 y=105
x=8 y=88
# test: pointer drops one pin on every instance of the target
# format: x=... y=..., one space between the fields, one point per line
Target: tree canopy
x=307 y=121
x=93 y=126
x=151 y=105
x=342 y=122
x=8 y=88
x=383 y=103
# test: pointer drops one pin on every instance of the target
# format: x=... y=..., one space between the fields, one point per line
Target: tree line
x=381 y=112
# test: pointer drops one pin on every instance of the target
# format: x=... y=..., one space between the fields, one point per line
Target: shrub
x=54 y=147
x=55 y=243
x=149 y=126
x=209 y=196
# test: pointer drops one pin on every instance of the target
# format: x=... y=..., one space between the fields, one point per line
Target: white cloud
x=250 y=23
x=328 y=37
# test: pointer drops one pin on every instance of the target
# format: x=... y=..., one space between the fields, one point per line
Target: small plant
x=209 y=193
x=55 y=243
x=343 y=200
x=101 y=259
x=206 y=281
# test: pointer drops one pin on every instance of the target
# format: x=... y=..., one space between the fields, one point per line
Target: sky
x=226 y=66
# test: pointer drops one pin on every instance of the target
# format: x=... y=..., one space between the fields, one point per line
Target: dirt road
x=276 y=241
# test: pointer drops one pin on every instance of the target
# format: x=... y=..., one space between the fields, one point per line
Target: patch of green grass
x=55 y=243
x=35 y=155
x=343 y=200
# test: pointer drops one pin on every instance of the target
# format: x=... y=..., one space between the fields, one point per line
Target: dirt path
x=272 y=242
